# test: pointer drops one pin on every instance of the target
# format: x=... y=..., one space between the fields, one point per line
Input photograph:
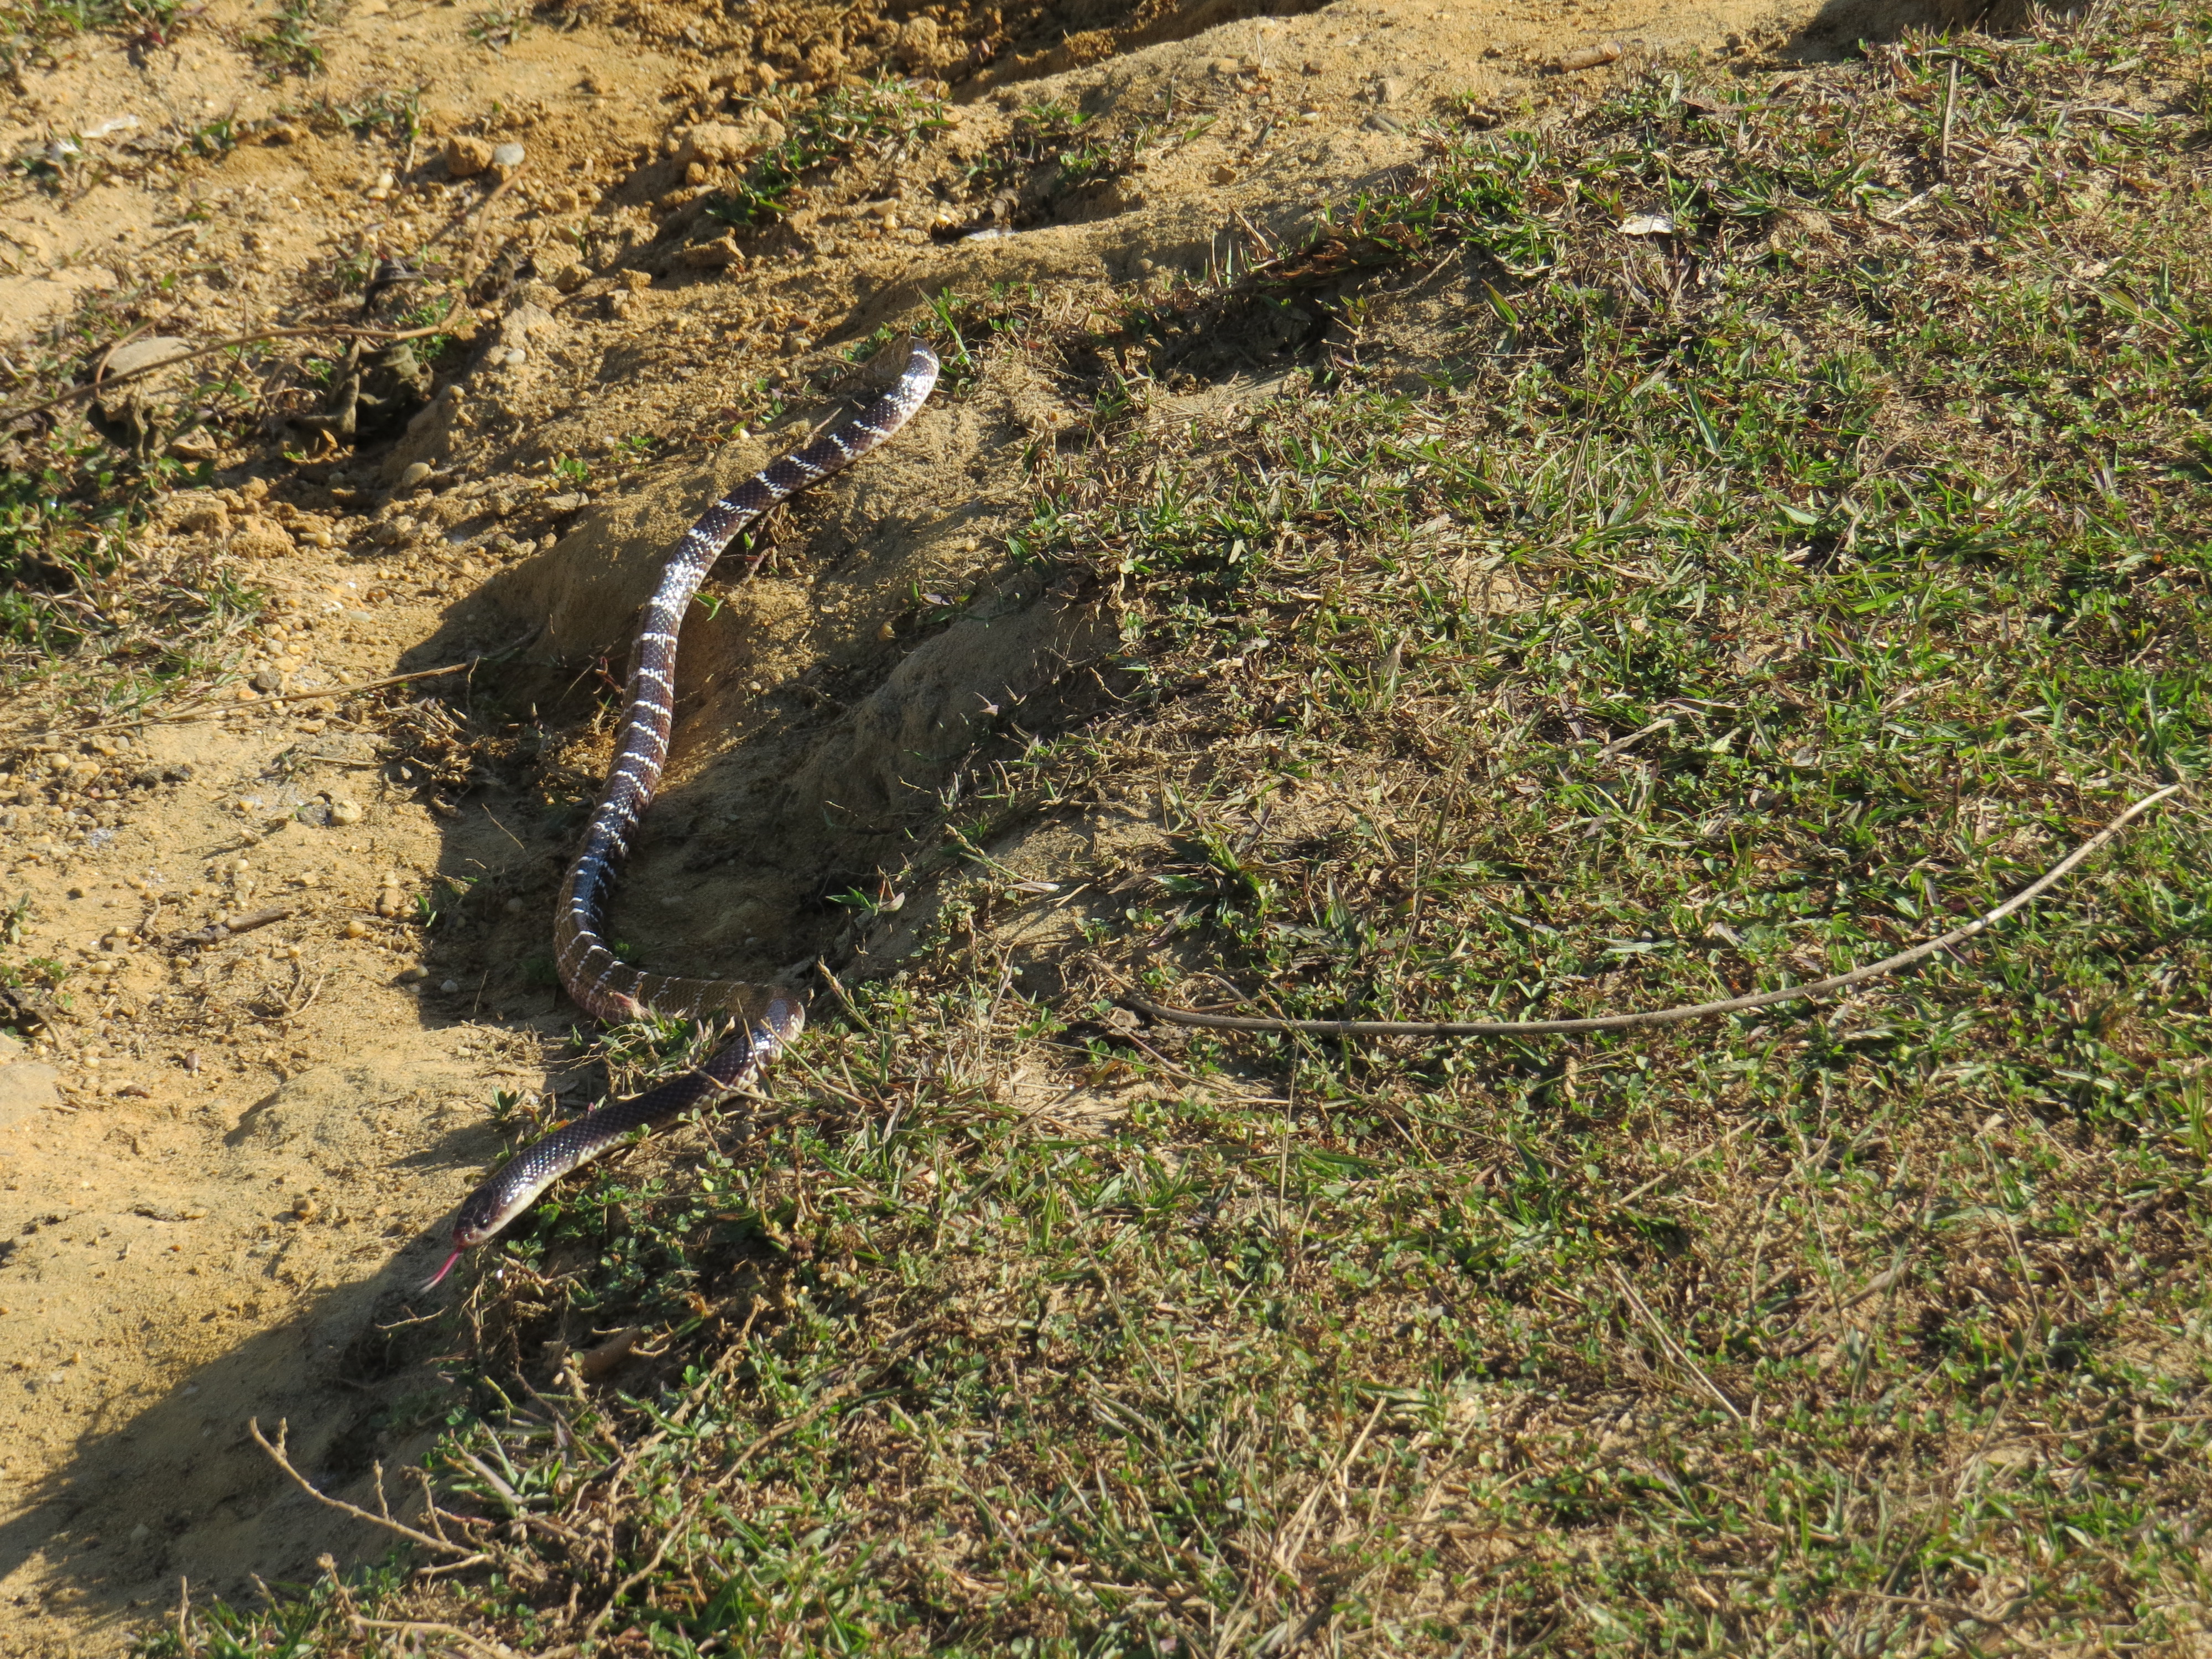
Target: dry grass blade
x=1820 y=988
x=445 y=1546
x=335 y=330
x=195 y=710
x=1674 y=1349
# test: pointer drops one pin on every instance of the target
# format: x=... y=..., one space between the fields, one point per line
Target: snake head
x=480 y=1217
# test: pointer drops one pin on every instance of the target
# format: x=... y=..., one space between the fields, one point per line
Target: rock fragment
x=466 y=157
x=257 y=538
x=1589 y=57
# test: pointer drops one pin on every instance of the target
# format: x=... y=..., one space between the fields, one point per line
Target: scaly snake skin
x=767 y=1018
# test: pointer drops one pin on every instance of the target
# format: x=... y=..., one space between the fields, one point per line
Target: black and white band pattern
x=600 y=984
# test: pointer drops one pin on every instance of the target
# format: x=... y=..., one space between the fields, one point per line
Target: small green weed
x=496 y=27
x=211 y=139
x=397 y=114
x=29 y=28
x=286 y=42
x=881 y=117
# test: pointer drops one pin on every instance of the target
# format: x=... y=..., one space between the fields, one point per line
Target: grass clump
x=879 y=119
x=1869 y=501
x=86 y=612
x=286 y=42
x=396 y=113
x=28 y=29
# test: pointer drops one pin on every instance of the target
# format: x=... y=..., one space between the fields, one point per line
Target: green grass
x=881 y=118
x=497 y=27
x=1877 y=1328
x=286 y=43
x=1071 y=138
x=86 y=612
x=28 y=29
x=395 y=113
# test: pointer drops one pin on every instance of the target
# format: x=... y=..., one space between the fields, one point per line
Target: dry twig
x=276 y=1453
x=197 y=709
x=1818 y=987
x=341 y=329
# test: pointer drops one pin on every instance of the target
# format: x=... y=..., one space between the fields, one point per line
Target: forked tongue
x=431 y=1284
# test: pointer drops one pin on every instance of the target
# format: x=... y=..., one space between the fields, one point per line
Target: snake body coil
x=767 y=1018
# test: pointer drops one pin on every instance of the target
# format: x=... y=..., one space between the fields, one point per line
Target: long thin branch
x=343 y=330
x=1516 y=1028
x=660 y=1551
x=205 y=708
x=441 y=1546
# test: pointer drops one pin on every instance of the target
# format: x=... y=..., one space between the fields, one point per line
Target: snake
x=764 y=1020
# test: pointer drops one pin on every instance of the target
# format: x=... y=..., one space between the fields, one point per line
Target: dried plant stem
x=277 y=1452
x=206 y=708
x=342 y=331
x=1818 y=987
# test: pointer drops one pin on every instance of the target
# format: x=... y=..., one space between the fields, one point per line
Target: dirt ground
x=222 y=1163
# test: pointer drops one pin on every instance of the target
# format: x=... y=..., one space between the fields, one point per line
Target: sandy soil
x=219 y=1162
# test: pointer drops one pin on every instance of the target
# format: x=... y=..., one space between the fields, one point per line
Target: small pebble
x=305 y=1208
x=506 y=156
x=450 y=985
x=357 y=929
x=416 y=472
x=345 y=811
x=413 y=975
